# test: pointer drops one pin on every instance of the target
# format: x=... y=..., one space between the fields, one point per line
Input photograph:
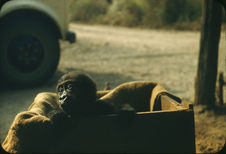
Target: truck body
x=29 y=39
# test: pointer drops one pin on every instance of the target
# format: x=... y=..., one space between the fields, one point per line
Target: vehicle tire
x=29 y=51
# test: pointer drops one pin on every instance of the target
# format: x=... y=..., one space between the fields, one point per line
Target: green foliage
x=171 y=11
x=147 y=13
x=152 y=12
x=123 y=12
x=87 y=10
x=194 y=10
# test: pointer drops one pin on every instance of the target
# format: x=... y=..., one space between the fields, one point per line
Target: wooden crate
x=171 y=129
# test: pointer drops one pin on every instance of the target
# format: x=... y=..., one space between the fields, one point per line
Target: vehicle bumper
x=71 y=37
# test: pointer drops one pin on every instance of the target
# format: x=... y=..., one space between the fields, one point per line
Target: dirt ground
x=118 y=55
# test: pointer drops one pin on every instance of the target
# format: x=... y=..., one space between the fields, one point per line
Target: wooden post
x=205 y=83
x=221 y=84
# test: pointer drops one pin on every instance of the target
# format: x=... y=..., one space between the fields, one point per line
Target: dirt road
x=119 y=55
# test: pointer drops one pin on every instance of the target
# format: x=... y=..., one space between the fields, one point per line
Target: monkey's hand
x=126 y=109
x=126 y=115
x=58 y=117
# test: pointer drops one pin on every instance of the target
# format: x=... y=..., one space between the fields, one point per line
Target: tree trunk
x=205 y=83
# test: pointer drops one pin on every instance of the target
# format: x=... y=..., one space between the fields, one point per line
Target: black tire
x=29 y=51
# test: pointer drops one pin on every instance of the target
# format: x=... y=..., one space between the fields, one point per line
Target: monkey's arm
x=58 y=118
x=103 y=107
x=126 y=111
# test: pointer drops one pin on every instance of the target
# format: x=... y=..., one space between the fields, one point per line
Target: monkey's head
x=76 y=91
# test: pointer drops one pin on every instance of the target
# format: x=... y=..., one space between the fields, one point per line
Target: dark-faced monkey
x=77 y=96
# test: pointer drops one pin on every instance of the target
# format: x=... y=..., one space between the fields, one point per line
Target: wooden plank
x=170 y=131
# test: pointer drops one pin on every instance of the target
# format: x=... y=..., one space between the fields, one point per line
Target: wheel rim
x=25 y=53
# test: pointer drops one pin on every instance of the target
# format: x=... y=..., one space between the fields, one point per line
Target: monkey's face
x=76 y=92
x=67 y=96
